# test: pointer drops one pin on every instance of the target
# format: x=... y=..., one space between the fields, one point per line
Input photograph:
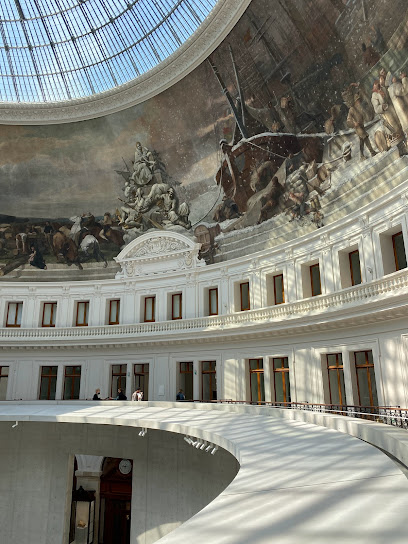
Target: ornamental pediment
x=158 y=252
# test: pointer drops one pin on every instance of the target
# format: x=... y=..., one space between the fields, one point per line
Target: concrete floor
x=298 y=482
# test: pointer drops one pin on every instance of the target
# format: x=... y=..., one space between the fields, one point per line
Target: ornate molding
x=158 y=252
x=191 y=54
x=372 y=302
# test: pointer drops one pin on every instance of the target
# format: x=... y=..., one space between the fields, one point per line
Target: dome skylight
x=54 y=50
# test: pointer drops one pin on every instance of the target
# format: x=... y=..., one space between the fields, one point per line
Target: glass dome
x=53 y=50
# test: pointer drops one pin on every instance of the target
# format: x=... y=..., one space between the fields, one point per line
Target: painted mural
x=302 y=96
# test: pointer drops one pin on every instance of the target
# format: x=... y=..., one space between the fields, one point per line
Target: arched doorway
x=115 y=494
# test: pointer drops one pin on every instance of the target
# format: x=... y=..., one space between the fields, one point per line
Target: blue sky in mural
x=53 y=50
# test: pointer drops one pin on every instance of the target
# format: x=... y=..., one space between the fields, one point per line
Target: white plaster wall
x=171 y=481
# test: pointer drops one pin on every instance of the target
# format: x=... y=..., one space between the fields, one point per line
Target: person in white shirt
x=137 y=395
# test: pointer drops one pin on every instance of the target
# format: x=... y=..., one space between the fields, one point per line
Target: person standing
x=180 y=395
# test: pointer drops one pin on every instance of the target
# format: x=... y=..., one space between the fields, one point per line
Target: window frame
x=249 y=296
x=15 y=324
x=120 y=374
x=48 y=376
x=173 y=316
x=116 y=322
x=210 y=313
x=367 y=365
x=86 y=313
x=281 y=371
x=153 y=299
x=256 y=372
x=53 y=314
x=353 y=283
x=74 y=376
x=393 y=236
x=145 y=374
x=274 y=289
x=337 y=367
x=312 y=267
x=5 y=376
x=212 y=373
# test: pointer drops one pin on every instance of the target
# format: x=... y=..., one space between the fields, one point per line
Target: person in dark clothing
x=36 y=259
x=180 y=395
x=96 y=396
x=121 y=395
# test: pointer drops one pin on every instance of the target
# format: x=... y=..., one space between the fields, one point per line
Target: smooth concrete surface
x=298 y=482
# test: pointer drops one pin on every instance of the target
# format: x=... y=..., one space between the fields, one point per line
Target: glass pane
x=77 y=370
x=331 y=359
x=277 y=362
x=68 y=388
x=4 y=370
x=244 y=296
x=176 y=306
x=186 y=384
x=149 y=315
x=19 y=312
x=77 y=385
x=279 y=397
x=138 y=368
x=82 y=313
x=373 y=387
x=69 y=370
x=315 y=279
x=363 y=387
x=206 y=387
x=44 y=389
x=360 y=357
x=116 y=369
x=3 y=387
x=337 y=391
x=370 y=359
x=213 y=302
x=287 y=385
x=399 y=248
x=278 y=282
x=114 y=311
x=285 y=362
x=47 y=314
x=355 y=268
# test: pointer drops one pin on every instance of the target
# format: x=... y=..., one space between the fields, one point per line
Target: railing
x=390 y=415
x=396 y=284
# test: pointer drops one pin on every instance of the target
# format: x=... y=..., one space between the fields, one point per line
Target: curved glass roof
x=53 y=50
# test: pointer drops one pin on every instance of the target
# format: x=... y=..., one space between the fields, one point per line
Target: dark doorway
x=116 y=493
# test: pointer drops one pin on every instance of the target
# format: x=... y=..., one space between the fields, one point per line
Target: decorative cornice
x=191 y=54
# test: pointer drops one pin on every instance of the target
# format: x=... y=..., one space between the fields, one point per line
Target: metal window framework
x=60 y=50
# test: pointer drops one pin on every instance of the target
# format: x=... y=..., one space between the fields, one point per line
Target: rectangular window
x=141 y=379
x=48 y=382
x=176 y=312
x=367 y=389
x=213 y=301
x=114 y=309
x=14 y=312
x=256 y=378
x=315 y=280
x=82 y=314
x=278 y=289
x=244 y=292
x=49 y=314
x=72 y=382
x=334 y=363
x=118 y=379
x=4 y=373
x=355 y=270
x=280 y=367
x=208 y=381
x=149 y=309
x=186 y=379
x=399 y=251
